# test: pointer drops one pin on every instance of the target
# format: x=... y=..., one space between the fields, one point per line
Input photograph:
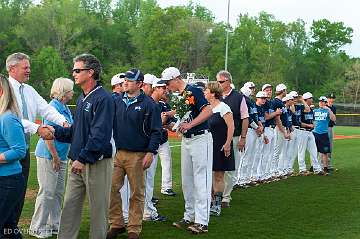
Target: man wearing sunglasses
x=237 y=104
x=90 y=152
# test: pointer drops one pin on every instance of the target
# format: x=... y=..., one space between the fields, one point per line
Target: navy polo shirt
x=199 y=103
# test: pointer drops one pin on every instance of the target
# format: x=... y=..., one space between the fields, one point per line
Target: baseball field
x=298 y=207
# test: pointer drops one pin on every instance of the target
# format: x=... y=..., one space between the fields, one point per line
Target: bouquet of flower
x=181 y=103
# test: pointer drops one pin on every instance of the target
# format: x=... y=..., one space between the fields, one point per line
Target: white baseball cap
x=246 y=91
x=280 y=87
x=249 y=84
x=150 y=79
x=265 y=86
x=323 y=99
x=307 y=95
x=287 y=97
x=293 y=94
x=117 y=79
x=157 y=83
x=261 y=94
x=170 y=73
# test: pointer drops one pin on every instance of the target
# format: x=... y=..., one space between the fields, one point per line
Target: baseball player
x=252 y=134
x=259 y=165
x=307 y=139
x=299 y=106
x=289 y=146
x=196 y=154
x=269 y=131
x=281 y=131
x=330 y=103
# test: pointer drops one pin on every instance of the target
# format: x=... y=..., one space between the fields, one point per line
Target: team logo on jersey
x=87 y=106
x=137 y=108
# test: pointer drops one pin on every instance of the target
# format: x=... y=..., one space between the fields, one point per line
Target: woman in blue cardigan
x=12 y=150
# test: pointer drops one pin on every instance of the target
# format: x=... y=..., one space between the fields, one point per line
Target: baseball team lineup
x=112 y=141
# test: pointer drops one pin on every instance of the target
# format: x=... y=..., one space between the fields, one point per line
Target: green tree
x=46 y=65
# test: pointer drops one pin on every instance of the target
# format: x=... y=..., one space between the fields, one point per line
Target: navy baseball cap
x=134 y=75
x=331 y=96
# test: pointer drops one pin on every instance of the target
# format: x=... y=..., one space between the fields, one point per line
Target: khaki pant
x=48 y=201
x=130 y=164
x=95 y=183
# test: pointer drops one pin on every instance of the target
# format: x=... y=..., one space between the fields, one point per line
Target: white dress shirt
x=36 y=105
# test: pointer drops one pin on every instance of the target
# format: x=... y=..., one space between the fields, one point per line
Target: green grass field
x=298 y=207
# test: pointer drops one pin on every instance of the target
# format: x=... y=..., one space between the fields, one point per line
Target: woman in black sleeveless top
x=221 y=126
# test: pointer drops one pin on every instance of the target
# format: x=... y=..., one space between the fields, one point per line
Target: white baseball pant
x=307 y=142
x=196 y=176
x=164 y=153
x=230 y=177
x=248 y=157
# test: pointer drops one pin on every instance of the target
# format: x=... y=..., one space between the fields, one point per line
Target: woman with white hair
x=52 y=158
x=12 y=150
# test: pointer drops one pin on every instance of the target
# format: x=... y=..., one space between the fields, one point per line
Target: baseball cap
x=331 y=96
x=261 y=94
x=293 y=94
x=170 y=73
x=307 y=95
x=249 y=84
x=287 y=97
x=323 y=99
x=117 y=79
x=150 y=79
x=265 y=86
x=280 y=87
x=157 y=83
x=246 y=91
x=134 y=75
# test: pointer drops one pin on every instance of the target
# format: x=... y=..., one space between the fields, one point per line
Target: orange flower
x=191 y=100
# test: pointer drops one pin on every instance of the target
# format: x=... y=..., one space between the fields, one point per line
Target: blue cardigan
x=12 y=143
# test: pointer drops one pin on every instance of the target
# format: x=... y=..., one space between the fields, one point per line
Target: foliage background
x=138 y=33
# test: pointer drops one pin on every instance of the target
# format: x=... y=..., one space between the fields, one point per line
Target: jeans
x=10 y=188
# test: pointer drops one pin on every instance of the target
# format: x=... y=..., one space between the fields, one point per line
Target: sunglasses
x=77 y=71
x=221 y=81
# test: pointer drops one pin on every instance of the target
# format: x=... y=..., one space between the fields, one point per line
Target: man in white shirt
x=31 y=104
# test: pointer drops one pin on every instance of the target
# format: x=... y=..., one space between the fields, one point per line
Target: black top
x=333 y=109
x=233 y=100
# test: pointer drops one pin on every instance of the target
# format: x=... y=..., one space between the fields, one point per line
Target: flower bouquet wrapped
x=181 y=103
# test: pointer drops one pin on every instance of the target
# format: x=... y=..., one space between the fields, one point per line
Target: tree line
x=139 y=33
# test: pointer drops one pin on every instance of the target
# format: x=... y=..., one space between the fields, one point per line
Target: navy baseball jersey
x=278 y=104
x=197 y=102
x=268 y=108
